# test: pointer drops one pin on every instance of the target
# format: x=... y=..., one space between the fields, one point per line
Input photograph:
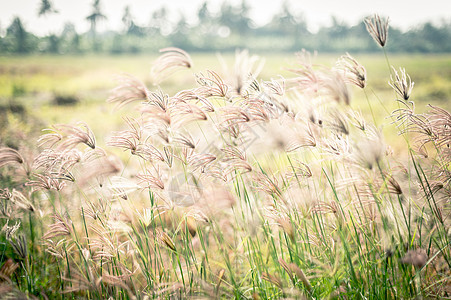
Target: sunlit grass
x=319 y=204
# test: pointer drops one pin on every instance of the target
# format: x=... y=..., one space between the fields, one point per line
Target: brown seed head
x=417 y=258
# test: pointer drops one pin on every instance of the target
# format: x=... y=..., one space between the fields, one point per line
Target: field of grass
x=35 y=81
x=224 y=188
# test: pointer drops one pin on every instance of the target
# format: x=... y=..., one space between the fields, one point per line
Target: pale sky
x=402 y=13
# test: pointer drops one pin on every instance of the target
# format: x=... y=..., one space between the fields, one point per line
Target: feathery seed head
x=9 y=155
x=402 y=83
x=377 y=27
x=172 y=60
x=130 y=90
x=354 y=72
x=417 y=258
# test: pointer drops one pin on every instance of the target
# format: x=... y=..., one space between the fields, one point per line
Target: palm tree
x=46 y=7
x=95 y=16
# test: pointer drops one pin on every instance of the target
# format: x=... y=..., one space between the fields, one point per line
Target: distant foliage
x=227 y=30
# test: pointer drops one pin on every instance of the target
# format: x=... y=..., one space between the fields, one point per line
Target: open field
x=35 y=80
x=228 y=188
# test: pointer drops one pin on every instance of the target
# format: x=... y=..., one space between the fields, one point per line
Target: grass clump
x=234 y=188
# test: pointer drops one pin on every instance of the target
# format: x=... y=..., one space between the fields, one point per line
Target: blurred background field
x=69 y=88
x=64 y=71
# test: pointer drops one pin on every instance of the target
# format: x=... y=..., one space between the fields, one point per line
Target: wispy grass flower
x=7 y=269
x=299 y=136
x=440 y=120
x=61 y=226
x=10 y=231
x=130 y=90
x=46 y=182
x=378 y=29
x=211 y=85
x=151 y=181
x=354 y=72
x=20 y=246
x=300 y=275
x=369 y=151
x=9 y=155
x=128 y=139
x=245 y=69
x=334 y=86
x=80 y=134
x=172 y=60
x=49 y=139
x=197 y=98
x=338 y=122
x=401 y=83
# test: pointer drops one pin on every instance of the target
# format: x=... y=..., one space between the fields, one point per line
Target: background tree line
x=229 y=29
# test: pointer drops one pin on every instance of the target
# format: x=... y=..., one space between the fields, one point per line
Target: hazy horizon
x=403 y=14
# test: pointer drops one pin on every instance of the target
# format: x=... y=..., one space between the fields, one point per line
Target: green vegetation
x=331 y=182
x=225 y=31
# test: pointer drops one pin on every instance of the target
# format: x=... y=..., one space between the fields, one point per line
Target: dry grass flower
x=272 y=279
x=377 y=27
x=21 y=201
x=356 y=119
x=10 y=231
x=61 y=226
x=300 y=275
x=9 y=155
x=235 y=159
x=100 y=169
x=309 y=79
x=7 y=269
x=193 y=96
x=130 y=90
x=354 y=72
x=334 y=86
x=338 y=122
x=300 y=170
x=416 y=258
x=49 y=139
x=165 y=239
x=74 y=135
x=245 y=69
x=172 y=60
x=151 y=181
x=440 y=120
x=211 y=85
x=393 y=185
x=370 y=149
x=128 y=139
x=47 y=182
x=401 y=83
x=297 y=135
x=149 y=152
x=19 y=245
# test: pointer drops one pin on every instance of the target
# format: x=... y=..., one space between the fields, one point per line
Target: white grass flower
x=401 y=83
x=378 y=29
